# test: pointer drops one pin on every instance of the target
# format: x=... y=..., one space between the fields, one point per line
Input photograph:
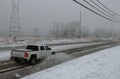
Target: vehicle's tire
x=33 y=60
x=17 y=61
x=53 y=53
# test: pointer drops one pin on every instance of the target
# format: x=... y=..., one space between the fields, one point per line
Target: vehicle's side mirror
x=49 y=49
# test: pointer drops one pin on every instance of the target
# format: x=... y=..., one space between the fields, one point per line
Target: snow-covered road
x=104 y=64
x=67 y=47
x=5 y=55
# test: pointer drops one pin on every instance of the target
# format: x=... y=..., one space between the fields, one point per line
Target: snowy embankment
x=42 y=41
x=104 y=64
x=5 y=55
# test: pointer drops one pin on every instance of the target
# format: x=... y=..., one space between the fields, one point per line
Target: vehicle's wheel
x=53 y=53
x=17 y=61
x=33 y=60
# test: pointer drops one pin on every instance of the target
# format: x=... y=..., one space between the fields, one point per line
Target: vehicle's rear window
x=32 y=47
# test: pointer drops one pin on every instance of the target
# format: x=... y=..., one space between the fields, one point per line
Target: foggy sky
x=42 y=14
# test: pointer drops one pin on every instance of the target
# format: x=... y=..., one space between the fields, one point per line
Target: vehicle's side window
x=46 y=47
x=32 y=47
x=42 y=47
x=36 y=48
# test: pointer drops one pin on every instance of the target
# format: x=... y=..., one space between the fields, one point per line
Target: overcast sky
x=42 y=14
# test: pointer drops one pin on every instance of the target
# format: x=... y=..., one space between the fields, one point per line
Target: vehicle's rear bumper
x=12 y=58
x=18 y=58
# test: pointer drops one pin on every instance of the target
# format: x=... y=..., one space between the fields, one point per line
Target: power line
x=105 y=7
x=111 y=14
x=98 y=9
x=108 y=9
x=94 y=11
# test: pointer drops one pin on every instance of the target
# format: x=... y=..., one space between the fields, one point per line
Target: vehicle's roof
x=37 y=45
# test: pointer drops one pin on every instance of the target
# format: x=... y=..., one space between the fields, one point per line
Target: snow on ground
x=104 y=64
x=5 y=55
x=52 y=60
x=67 y=47
x=6 y=43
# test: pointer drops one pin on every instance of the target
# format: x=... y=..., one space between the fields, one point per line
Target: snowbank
x=99 y=65
x=5 y=55
x=3 y=43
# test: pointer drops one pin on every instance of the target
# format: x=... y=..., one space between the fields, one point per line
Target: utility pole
x=15 y=27
x=111 y=22
x=80 y=24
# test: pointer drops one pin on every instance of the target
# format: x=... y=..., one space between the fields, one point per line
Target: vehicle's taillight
x=26 y=54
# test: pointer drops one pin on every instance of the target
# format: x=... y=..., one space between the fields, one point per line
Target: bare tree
x=36 y=32
x=71 y=29
x=100 y=32
x=85 y=32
